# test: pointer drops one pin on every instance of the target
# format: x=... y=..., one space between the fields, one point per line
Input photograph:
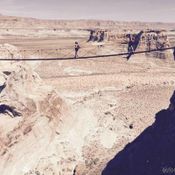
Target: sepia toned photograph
x=87 y=87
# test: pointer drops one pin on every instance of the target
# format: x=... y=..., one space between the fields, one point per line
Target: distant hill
x=22 y=22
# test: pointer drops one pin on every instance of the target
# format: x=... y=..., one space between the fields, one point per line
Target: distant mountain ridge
x=24 y=22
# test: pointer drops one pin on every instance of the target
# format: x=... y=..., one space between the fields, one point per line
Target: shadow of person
x=10 y=110
x=152 y=152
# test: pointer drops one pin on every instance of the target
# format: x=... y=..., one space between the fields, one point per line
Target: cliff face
x=30 y=117
x=152 y=152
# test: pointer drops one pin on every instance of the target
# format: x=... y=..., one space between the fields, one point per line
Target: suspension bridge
x=83 y=57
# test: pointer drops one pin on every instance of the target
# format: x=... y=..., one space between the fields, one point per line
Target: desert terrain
x=71 y=117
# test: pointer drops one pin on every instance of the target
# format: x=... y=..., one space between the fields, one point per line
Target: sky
x=120 y=10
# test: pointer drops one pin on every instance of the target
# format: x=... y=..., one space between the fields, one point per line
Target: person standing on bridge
x=77 y=47
x=130 y=46
x=91 y=37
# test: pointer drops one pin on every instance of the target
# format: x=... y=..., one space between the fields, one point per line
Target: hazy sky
x=127 y=10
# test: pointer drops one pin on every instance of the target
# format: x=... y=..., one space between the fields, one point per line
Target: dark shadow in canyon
x=152 y=152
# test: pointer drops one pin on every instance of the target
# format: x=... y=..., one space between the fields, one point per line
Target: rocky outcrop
x=39 y=109
x=9 y=51
x=149 y=40
x=152 y=152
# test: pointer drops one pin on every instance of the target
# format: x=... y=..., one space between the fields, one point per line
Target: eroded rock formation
x=27 y=139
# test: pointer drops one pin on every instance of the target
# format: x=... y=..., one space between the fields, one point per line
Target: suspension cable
x=85 y=57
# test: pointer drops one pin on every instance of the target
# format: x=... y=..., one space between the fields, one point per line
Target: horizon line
x=85 y=19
